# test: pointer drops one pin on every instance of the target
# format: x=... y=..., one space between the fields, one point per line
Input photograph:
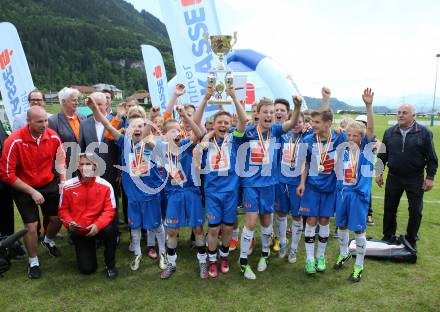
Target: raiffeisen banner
x=15 y=76
x=156 y=76
x=186 y=22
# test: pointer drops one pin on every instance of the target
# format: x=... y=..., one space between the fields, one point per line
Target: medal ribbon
x=261 y=139
x=327 y=146
x=293 y=150
x=354 y=160
x=138 y=158
x=170 y=159
x=219 y=149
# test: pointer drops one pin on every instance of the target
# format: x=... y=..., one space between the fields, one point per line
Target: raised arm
x=367 y=97
x=241 y=114
x=198 y=115
x=178 y=92
x=197 y=133
x=101 y=118
x=289 y=124
x=325 y=98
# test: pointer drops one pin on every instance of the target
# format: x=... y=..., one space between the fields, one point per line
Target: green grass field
x=385 y=286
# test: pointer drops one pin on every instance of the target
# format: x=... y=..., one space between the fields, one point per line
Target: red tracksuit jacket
x=87 y=202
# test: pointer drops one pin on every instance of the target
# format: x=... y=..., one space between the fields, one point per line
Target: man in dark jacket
x=409 y=151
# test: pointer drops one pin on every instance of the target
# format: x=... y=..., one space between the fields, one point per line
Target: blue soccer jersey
x=218 y=164
x=181 y=174
x=355 y=168
x=292 y=156
x=321 y=159
x=140 y=177
x=257 y=156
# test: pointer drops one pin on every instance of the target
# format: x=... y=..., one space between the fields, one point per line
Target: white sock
x=265 y=234
x=282 y=229
x=296 y=234
x=235 y=233
x=324 y=233
x=202 y=257
x=33 y=261
x=344 y=237
x=151 y=238
x=136 y=235
x=172 y=259
x=245 y=242
x=309 y=238
x=49 y=241
x=212 y=257
x=361 y=248
x=159 y=233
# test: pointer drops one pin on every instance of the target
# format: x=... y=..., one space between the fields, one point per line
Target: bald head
x=101 y=101
x=406 y=115
x=37 y=120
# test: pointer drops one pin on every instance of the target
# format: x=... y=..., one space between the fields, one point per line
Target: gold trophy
x=220 y=77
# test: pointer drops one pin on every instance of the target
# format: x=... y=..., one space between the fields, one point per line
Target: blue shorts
x=294 y=200
x=145 y=214
x=184 y=209
x=221 y=207
x=351 y=211
x=315 y=203
x=282 y=203
x=259 y=199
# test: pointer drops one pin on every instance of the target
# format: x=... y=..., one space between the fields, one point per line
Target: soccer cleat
x=152 y=253
x=292 y=256
x=262 y=264
x=34 y=272
x=111 y=273
x=169 y=270
x=135 y=263
x=247 y=272
x=341 y=261
x=224 y=265
x=212 y=269
x=370 y=221
x=233 y=244
x=203 y=266
x=356 y=276
x=310 y=267
x=163 y=261
x=283 y=251
x=251 y=248
x=276 y=245
x=321 y=264
x=53 y=250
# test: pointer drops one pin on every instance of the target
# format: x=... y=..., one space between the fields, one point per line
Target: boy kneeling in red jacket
x=87 y=209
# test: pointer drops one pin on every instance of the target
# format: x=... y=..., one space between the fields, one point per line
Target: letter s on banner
x=15 y=76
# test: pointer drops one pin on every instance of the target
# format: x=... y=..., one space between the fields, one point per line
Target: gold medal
x=138 y=158
x=220 y=152
x=354 y=159
x=321 y=168
x=323 y=155
x=263 y=142
x=137 y=172
x=292 y=149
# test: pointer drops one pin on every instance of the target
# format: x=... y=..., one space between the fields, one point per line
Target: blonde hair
x=136 y=112
x=359 y=126
x=345 y=122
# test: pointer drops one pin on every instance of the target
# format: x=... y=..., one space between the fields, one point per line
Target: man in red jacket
x=87 y=209
x=27 y=164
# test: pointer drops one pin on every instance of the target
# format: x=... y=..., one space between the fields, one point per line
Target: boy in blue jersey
x=292 y=159
x=318 y=182
x=184 y=203
x=141 y=182
x=257 y=165
x=221 y=182
x=355 y=170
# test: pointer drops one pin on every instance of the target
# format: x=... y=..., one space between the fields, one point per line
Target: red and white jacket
x=32 y=162
x=87 y=202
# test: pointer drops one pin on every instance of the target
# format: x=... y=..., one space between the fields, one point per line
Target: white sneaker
x=247 y=272
x=163 y=261
x=262 y=264
x=292 y=256
x=134 y=265
x=283 y=251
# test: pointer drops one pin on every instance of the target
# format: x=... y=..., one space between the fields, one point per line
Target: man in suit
x=67 y=124
x=92 y=140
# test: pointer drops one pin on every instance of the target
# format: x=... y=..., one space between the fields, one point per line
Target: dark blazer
x=107 y=150
x=60 y=124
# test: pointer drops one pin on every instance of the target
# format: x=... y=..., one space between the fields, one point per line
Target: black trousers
x=6 y=211
x=85 y=248
x=394 y=188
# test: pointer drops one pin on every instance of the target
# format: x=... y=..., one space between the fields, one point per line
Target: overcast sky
x=389 y=45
